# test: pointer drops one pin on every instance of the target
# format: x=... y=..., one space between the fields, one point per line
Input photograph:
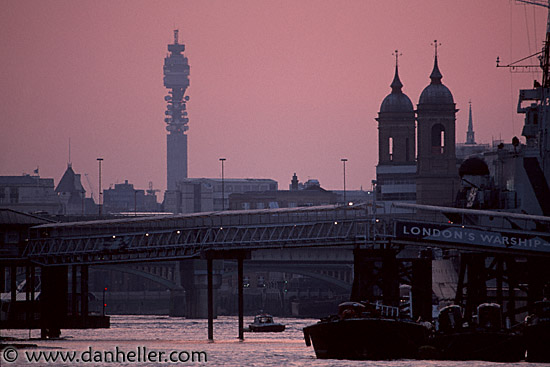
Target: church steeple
x=470 y=138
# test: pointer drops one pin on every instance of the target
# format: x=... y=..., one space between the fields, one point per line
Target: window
x=14 y=195
x=390 y=143
x=438 y=139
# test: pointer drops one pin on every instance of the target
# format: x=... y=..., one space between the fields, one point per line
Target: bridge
x=188 y=236
x=234 y=234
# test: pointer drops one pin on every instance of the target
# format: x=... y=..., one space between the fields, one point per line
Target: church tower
x=437 y=175
x=396 y=169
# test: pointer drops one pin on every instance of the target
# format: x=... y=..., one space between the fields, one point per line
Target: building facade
x=125 y=198
x=29 y=194
x=299 y=194
x=194 y=195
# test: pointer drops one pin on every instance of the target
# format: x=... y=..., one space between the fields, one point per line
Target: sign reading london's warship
x=472 y=236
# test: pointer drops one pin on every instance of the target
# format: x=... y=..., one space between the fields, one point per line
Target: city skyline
x=276 y=87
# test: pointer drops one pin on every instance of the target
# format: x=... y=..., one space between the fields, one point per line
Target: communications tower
x=176 y=79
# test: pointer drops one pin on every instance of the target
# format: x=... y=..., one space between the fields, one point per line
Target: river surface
x=177 y=338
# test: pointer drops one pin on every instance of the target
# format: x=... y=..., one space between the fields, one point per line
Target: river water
x=177 y=339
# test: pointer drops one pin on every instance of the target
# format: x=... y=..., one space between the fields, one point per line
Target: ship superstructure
x=526 y=169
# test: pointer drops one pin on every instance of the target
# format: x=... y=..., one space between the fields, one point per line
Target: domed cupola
x=436 y=92
x=396 y=125
x=396 y=101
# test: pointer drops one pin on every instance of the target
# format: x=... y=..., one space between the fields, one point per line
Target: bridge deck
x=185 y=236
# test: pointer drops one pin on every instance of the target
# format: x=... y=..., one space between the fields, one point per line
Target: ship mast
x=536 y=156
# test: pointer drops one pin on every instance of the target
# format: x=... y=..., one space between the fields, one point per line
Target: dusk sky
x=277 y=87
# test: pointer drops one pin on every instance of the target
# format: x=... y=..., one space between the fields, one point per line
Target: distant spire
x=436 y=74
x=176 y=32
x=470 y=139
x=396 y=84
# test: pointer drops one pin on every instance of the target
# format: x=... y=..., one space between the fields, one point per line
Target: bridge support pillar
x=240 y=282
x=53 y=300
x=473 y=277
x=539 y=279
x=363 y=276
x=2 y=278
x=74 y=289
x=240 y=255
x=194 y=281
x=421 y=289
x=32 y=290
x=84 y=273
x=367 y=277
x=177 y=302
x=209 y=271
x=13 y=284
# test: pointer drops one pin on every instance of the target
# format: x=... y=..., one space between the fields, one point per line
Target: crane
x=151 y=191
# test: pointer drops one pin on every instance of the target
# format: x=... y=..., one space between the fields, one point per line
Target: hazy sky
x=277 y=87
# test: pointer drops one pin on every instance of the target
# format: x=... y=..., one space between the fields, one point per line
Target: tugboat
x=264 y=323
x=537 y=333
x=485 y=340
x=366 y=331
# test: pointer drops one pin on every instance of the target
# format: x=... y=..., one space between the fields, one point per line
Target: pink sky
x=277 y=87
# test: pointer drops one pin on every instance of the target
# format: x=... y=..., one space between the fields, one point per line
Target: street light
x=344 y=160
x=99 y=160
x=223 y=185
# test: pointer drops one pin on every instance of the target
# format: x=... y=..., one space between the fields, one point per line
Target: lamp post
x=99 y=160
x=104 y=304
x=344 y=160
x=223 y=185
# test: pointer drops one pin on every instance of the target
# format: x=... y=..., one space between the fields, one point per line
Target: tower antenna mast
x=176 y=80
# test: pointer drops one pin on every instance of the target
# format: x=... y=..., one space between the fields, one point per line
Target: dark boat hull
x=366 y=338
x=494 y=346
x=275 y=328
x=537 y=342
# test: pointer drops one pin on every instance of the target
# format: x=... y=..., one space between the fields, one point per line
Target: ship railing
x=388 y=311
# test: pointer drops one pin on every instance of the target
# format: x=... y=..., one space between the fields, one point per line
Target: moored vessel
x=484 y=339
x=537 y=333
x=366 y=331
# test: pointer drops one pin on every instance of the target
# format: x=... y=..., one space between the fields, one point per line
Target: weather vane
x=435 y=44
x=396 y=53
